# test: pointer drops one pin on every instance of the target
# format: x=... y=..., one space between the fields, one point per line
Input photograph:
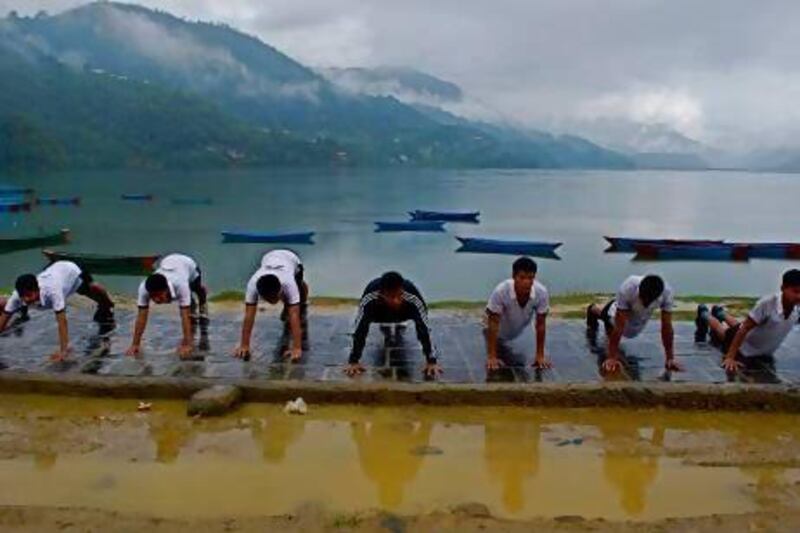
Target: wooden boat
x=508 y=247
x=37 y=241
x=71 y=200
x=626 y=244
x=106 y=264
x=138 y=197
x=445 y=216
x=422 y=225
x=708 y=252
x=14 y=191
x=15 y=206
x=772 y=250
x=303 y=237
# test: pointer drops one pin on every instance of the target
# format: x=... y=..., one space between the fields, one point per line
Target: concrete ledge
x=730 y=396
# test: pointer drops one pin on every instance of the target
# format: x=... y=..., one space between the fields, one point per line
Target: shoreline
x=565 y=306
x=783 y=398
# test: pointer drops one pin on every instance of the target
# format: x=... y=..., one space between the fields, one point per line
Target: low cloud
x=725 y=71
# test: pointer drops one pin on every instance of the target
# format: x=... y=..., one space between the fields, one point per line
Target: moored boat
x=34 y=241
x=508 y=247
x=445 y=216
x=628 y=244
x=234 y=236
x=106 y=263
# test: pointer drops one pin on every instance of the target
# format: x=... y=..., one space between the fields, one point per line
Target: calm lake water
x=574 y=207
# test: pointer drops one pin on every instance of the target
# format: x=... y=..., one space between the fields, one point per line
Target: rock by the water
x=214 y=401
x=472 y=510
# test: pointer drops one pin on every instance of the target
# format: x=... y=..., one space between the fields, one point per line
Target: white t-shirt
x=282 y=264
x=57 y=282
x=772 y=327
x=180 y=270
x=514 y=318
x=628 y=300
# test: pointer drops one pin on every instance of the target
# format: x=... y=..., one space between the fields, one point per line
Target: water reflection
x=629 y=464
x=511 y=452
x=275 y=435
x=391 y=454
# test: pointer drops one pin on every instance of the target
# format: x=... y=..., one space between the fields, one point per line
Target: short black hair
x=156 y=283
x=524 y=264
x=26 y=283
x=791 y=278
x=391 y=281
x=268 y=286
x=651 y=287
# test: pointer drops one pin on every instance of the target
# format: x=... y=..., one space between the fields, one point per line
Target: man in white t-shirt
x=513 y=306
x=175 y=280
x=627 y=315
x=50 y=290
x=763 y=331
x=278 y=279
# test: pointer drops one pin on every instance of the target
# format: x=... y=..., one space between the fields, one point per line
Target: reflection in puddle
x=520 y=463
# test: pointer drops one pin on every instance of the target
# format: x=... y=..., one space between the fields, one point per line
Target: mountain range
x=111 y=85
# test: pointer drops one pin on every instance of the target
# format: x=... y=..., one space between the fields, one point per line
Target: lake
x=574 y=207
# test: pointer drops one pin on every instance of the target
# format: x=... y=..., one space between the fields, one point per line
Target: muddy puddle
x=520 y=463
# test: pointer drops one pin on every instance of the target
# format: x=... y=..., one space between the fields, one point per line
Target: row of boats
x=419 y=221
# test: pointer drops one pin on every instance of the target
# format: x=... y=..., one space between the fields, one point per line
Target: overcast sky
x=726 y=72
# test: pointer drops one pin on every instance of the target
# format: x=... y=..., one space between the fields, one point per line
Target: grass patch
x=726 y=300
x=349 y=521
x=228 y=296
x=459 y=305
x=578 y=298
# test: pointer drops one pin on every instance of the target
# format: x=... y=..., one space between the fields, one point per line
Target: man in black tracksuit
x=391 y=299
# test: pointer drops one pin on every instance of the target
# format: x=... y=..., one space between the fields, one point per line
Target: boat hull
x=106 y=264
x=268 y=238
x=496 y=246
x=26 y=243
x=442 y=216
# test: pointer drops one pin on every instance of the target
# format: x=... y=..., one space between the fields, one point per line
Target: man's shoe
x=701 y=324
x=718 y=312
x=103 y=315
x=592 y=322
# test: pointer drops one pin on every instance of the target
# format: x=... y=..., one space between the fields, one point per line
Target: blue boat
x=772 y=250
x=628 y=245
x=445 y=216
x=423 y=225
x=711 y=252
x=72 y=200
x=138 y=197
x=191 y=201
x=305 y=237
x=498 y=246
x=14 y=191
x=14 y=206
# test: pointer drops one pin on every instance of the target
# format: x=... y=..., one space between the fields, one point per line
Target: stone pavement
x=457 y=336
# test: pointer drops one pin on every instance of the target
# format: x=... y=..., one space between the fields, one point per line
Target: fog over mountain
x=722 y=72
